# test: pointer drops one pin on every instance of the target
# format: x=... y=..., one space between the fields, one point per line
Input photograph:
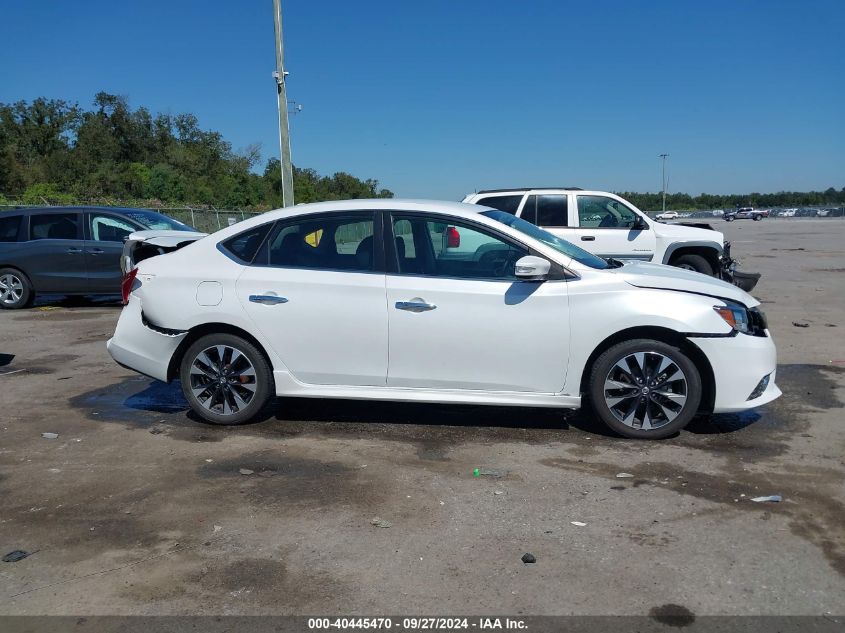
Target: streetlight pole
x=664 y=157
x=284 y=129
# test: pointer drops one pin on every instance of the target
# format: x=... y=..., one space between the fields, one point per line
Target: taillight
x=126 y=284
x=453 y=238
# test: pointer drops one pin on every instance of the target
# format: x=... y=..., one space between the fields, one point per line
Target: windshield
x=562 y=246
x=157 y=221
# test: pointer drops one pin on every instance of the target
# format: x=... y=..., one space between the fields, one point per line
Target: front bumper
x=140 y=348
x=728 y=271
x=739 y=363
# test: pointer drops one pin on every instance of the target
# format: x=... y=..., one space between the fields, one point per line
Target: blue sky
x=437 y=98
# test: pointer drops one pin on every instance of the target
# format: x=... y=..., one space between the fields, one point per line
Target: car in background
x=667 y=215
x=746 y=213
x=345 y=299
x=609 y=226
x=69 y=250
x=788 y=213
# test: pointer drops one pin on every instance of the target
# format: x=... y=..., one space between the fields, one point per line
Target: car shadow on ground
x=160 y=397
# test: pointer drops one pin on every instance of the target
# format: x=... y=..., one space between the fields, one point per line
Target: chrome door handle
x=96 y=251
x=415 y=305
x=73 y=251
x=267 y=300
x=588 y=238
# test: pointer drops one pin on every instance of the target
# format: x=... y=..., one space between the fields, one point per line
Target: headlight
x=735 y=315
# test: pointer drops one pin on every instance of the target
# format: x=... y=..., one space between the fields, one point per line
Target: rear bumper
x=140 y=348
x=739 y=364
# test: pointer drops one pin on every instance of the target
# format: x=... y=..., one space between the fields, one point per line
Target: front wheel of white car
x=645 y=389
x=225 y=379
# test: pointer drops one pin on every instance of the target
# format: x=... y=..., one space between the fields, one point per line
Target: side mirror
x=532 y=268
x=639 y=224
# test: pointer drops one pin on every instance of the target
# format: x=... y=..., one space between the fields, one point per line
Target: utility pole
x=284 y=130
x=664 y=157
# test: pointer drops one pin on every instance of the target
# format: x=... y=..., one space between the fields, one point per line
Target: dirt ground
x=137 y=508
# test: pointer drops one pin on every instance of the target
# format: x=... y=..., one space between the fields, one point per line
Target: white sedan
x=437 y=302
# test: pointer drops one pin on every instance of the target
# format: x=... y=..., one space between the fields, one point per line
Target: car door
x=316 y=291
x=104 y=237
x=53 y=256
x=610 y=228
x=460 y=319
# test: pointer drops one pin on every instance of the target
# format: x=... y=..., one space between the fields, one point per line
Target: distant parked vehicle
x=667 y=215
x=788 y=213
x=610 y=226
x=68 y=250
x=746 y=213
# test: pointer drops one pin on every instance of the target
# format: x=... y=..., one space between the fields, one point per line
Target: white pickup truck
x=611 y=227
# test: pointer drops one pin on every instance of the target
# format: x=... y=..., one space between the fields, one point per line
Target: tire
x=694 y=262
x=15 y=289
x=729 y=218
x=247 y=382
x=757 y=218
x=650 y=414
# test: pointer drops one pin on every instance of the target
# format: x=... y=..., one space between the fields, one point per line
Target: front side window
x=601 y=212
x=107 y=228
x=433 y=247
x=9 y=227
x=509 y=204
x=54 y=226
x=560 y=245
x=325 y=242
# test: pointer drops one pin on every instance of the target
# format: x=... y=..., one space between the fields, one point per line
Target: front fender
x=676 y=246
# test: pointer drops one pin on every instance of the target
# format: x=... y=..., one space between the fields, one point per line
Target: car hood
x=682 y=232
x=165 y=238
x=646 y=275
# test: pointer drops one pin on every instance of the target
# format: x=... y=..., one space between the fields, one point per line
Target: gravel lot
x=136 y=508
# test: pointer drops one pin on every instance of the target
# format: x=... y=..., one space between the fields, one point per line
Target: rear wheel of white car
x=15 y=289
x=645 y=389
x=225 y=379
x=757 y=218
x=693 y=262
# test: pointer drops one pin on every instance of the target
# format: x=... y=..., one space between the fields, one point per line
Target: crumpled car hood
x=647 y=275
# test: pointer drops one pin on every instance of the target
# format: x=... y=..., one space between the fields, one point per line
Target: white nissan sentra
x=434 y=302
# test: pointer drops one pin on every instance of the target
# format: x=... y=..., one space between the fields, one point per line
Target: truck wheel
x=729 y=218
x=693 y=262
x=645 y=389
x=15 y=289
x=757 y=218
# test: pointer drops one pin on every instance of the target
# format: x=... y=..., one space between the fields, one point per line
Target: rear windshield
x=562 y=246
x=9 y=226
x=156 y=221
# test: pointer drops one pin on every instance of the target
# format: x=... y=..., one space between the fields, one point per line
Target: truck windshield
x=562 y=246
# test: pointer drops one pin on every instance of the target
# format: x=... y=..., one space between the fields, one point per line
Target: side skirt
x=286 y=385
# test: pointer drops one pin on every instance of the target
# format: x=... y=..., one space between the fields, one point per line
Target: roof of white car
x=393 y=204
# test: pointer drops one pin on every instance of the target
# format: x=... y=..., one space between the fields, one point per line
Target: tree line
x=683 y=201
x=56 y=152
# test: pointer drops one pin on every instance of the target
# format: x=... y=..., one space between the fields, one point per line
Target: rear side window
x=246 y=245
x=53 y=226
x=9 y=227
x=323 y=243
x=508 y=204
